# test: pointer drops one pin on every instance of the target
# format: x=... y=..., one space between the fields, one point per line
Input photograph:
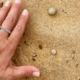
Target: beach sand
x=44 y=33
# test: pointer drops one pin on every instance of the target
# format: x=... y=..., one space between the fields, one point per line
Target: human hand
x=8 y=43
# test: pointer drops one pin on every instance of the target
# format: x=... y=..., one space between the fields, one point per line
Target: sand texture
x=44 y=33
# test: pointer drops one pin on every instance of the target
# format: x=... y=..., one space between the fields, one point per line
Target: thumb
x=26 y=71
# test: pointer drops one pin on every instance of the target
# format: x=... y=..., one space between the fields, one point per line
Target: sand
x=44 y=33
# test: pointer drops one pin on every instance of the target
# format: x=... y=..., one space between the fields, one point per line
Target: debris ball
x=52 y=11
x=54 y=52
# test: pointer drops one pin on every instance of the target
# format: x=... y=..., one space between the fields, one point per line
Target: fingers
x=19 y=29
x=4 y=11
x=10 y=20
x=15 y=37
x=26 y=71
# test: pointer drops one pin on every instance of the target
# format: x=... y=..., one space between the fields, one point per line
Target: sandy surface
x=44 y=33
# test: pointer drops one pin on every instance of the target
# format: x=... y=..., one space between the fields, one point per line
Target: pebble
x=52 y=11
x=34 y=55
x=54 y=52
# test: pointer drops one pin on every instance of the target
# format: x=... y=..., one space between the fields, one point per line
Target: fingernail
x=17 y=1
x=36 y=74
x=7 y=3
x=25 y=12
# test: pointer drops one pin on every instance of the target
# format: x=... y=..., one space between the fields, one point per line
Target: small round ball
x=54 y=52
x=52 y=11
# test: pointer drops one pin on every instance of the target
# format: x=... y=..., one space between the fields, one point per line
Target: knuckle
x=19 y=27
x=4 y=9
x=23 y=19
x=10 y=18
x=25 y=73
x=15 y=7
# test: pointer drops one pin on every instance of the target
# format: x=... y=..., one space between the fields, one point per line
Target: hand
x=8 y=43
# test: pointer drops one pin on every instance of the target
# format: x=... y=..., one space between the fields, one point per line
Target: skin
x=8 y=43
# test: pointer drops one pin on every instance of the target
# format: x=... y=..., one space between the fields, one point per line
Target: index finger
x=19 y=29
